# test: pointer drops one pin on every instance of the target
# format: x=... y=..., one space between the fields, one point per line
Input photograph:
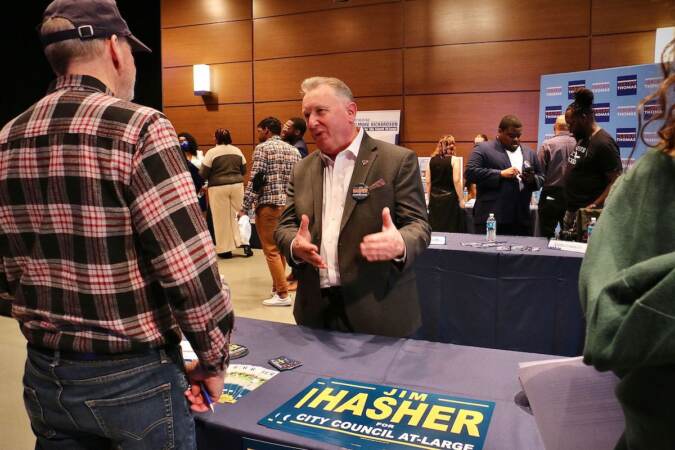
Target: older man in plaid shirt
x=104 y=250
x=273 y=161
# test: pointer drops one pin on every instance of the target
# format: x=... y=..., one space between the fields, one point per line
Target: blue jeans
x=131 y=403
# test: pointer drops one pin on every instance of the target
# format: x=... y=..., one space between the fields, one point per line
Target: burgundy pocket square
x=378 y=184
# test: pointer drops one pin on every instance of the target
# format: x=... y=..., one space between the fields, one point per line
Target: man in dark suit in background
x=506 y=173
x=355 y=220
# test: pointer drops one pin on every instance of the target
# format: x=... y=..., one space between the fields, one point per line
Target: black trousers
x=334 y=316
x=552 y=206
x=5 y=308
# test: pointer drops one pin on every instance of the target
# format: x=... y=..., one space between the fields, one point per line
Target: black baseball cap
x=92 y=19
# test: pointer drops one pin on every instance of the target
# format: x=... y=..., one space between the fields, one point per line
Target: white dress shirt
x=516 y=158
x=336 y=177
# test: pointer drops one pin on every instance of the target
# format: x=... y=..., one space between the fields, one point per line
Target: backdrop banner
x=617 y=92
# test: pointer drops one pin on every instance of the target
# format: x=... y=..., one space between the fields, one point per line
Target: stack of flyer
x=240 y=378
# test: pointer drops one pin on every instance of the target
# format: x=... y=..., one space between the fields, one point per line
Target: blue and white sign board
x=356 y=415
x=384 y=125
x=617 y=92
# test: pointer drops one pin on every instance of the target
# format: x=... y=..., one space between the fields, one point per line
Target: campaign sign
x=351 y=414
x=651 y=109
x=600 y=87
x=625 y=137
x=626 y=85
x=552 y=113
x=573 y=86
x=601 y=112
x=553 y=91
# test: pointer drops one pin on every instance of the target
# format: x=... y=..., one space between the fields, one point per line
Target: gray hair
x=339 y=86
x=61 y=54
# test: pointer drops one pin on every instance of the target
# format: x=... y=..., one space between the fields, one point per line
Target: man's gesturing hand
x=302 y=247
x=385 y=245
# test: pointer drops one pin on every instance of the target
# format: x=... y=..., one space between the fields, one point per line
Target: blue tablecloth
x=515 y=300
x=478 y=373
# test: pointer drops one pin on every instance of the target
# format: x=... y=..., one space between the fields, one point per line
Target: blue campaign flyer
x=366 y=416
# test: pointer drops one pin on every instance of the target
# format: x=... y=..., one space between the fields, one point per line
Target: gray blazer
x=381 y=297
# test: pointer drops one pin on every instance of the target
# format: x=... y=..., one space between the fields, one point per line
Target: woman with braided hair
x=595 y=162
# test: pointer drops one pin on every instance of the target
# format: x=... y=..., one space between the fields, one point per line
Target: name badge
x=360 y=192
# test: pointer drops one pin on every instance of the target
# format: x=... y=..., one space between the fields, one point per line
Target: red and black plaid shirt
x=276 y=159
x=102 y=242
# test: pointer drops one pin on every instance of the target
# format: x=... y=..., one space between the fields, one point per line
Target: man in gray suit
x=355 y=220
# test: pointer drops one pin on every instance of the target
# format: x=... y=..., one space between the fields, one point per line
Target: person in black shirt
x=595 y=162
x=190 y=147
x=293 y=132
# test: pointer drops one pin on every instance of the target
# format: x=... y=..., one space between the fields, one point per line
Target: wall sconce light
x=201 y=78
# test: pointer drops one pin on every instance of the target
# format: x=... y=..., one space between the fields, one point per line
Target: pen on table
x=207 y=397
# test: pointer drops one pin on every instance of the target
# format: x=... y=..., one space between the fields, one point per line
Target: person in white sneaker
x=273 y=161
x=275 y=300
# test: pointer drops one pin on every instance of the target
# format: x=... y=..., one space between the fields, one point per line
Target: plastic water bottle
x=202 y=191
x=491 y=228
x=590 y=227
x=466 y=194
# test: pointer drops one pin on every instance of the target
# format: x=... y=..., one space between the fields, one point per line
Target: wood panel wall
x=451 y=66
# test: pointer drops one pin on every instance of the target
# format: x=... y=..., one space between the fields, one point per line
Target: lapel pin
x=364 y=162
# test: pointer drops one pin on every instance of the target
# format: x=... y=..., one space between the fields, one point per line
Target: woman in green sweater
x=627 y=287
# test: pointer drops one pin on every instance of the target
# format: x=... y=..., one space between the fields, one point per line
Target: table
x=477 y=373
x=523 y=301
